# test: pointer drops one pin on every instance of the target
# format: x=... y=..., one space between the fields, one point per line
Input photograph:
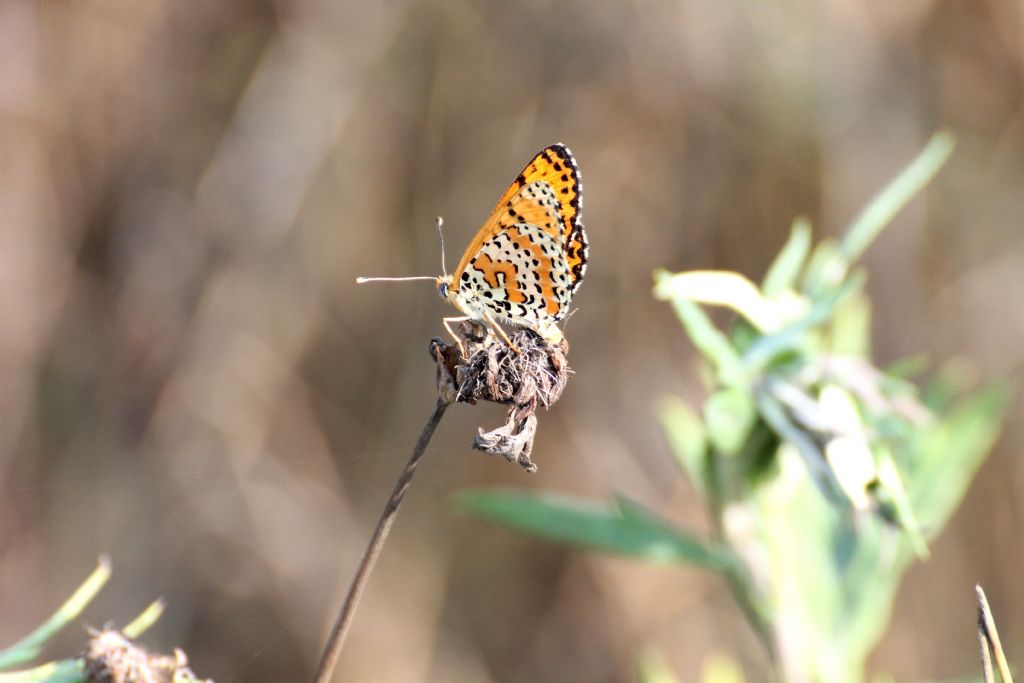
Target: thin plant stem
x=721 y=492
x=332 y=648
x=988 y=636
x=987 y=675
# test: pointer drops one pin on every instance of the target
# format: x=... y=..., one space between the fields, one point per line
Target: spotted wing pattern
x=529 y=258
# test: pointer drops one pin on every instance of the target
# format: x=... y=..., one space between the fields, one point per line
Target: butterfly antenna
x=440 y=231
x=440 y=222
x=360 y=280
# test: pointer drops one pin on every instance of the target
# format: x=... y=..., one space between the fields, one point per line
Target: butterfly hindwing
x=561 y=171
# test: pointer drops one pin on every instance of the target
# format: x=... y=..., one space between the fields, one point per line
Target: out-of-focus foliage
x=801 y=396
x=625 y=528
x=29 y=647
x=717 y=668
x=77 y=669
x=823 y=474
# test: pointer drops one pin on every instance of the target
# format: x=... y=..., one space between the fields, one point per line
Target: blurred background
x=193 y=383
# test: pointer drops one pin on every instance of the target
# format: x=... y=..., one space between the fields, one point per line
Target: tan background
x=191 y=382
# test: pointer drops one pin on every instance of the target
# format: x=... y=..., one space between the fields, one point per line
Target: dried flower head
x=533 y=374
x=113 y=657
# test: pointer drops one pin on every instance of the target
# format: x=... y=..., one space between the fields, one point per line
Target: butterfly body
x=529 y=257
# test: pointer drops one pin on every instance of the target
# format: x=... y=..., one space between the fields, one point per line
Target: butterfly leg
x=496 y=328
x=492 y=325
x=458 y=340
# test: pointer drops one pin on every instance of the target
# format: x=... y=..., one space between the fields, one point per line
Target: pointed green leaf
x=721 y=668
x=141 y=623
x=896 y=195
x=891 y=491
x=774 y=413
x=794 y=337
x=712 y=344
x=784 y=271
x=729 y=414
x=65 y=671
x=29 y=647
x=685 y=434
x=945 y=456
x=825 y=269
x=907 y=368
x=624 y=530
x=850 y=331
x=724 y=288
x=651 y=668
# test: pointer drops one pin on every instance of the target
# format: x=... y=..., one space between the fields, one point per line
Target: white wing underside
x=534 y=257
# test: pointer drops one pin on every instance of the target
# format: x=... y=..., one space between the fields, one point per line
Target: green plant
x=824 y=475
x=110 y=656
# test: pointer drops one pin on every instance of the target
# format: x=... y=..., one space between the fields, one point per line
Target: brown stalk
x=988 y=639
x=336 y=639
x=533 y=376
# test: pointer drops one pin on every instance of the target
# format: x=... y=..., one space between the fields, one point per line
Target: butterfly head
x=444 y=287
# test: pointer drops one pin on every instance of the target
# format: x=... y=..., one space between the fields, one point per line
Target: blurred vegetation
x=824 y=475
x=112 y=655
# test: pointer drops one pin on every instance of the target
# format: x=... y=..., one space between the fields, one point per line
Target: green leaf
x=29 y=647
x=850 y=331
x=896 y=195
x=686 y=438
x=729 y=415
x=651 y=668
x=954 y=378
x=794 y=337
x=784 y=271
x=711 y=343
x=907 y=368
x=141 y=623
x=625 y=529
x=826 y=268
x=723 y=288
x=945 y=457
x=66 y=671
x=774 y=413
x=721 y=668
x=892 y=492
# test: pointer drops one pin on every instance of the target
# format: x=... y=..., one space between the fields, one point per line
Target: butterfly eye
x=442 y=290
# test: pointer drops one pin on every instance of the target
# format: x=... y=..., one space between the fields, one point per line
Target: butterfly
x=528 y=259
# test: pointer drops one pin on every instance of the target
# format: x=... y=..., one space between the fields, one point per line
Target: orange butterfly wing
x=544 y=201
